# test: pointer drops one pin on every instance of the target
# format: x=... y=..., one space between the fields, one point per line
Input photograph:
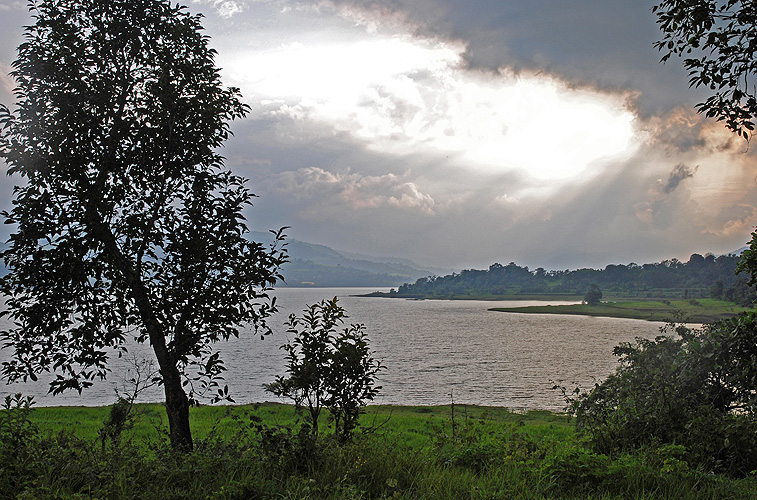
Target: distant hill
x=321 y=266
x=318 y=265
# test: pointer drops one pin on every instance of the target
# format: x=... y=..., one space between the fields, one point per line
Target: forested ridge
x=701 y=276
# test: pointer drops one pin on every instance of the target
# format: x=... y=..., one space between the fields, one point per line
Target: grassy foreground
x=246 y=452
x=693 y=310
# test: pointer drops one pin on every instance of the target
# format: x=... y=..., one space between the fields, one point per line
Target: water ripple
x=434 y=351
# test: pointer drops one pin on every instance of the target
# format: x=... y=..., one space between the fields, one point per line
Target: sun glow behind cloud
x=370 y=137
x=403 y=95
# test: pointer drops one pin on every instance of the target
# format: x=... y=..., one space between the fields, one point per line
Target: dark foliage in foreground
x=328 y=367
x=694 y=390
x=127 y=223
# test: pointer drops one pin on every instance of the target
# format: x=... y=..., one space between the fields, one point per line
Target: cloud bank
x=460 y=134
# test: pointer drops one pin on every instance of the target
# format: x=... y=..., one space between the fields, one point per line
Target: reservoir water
x=434 y=351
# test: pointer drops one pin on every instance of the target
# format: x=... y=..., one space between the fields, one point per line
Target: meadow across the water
x=691 y=310
x=263 y=451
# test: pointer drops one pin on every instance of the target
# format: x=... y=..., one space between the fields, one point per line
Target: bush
x=695 y=390
x=328 y=368
x=593 y=295
x=18 y=437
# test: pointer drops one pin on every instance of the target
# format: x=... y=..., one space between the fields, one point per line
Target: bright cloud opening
x=401 y=95
x=371 y=129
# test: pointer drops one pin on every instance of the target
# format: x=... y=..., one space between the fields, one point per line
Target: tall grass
x=247 y=452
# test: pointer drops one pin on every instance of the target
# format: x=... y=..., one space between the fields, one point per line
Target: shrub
x=328 y=368
x=695 y=390
x=593 y=295
x=18 y=436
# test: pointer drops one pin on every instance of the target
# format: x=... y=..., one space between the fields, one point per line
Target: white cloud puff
x=352 y=190
x=225 y=8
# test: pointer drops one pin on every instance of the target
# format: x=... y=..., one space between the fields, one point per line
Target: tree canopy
x=716 y=38
x=669 y=278
x=593 y=295
x=127 y=223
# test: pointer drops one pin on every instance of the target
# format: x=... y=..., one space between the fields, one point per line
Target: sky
x=463 y=133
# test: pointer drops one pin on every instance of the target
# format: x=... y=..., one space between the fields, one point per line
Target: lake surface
x=433 y=351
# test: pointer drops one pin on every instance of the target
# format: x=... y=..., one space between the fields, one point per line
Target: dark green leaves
x=328 y=368
x=748 y=261
x=127 y=224
x=718 y=37
x=695 y=389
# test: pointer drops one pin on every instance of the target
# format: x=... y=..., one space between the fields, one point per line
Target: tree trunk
x=177 y=408
x=177 y=404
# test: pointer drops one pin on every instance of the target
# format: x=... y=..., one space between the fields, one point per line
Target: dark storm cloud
x=605 y=44
x=679 y=173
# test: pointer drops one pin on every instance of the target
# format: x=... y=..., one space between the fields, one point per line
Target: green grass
x=416 y=424
x=409 y=453
x=693 y=311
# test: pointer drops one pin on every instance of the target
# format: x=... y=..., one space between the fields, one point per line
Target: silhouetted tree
x=593 y=295
x=127 y=222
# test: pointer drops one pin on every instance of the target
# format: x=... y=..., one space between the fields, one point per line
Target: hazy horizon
x=459 y=134
x=420 y=264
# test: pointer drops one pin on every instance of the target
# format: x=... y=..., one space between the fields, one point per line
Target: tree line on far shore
x=699 y=277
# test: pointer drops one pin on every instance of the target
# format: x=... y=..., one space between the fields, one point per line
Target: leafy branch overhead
x=716 y=39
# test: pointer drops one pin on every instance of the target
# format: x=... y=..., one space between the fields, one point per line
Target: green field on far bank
x=691 y=311
x=616 y=305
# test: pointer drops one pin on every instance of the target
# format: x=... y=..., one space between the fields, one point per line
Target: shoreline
x=484 y=297
x=686 y=311
x=648 y=309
